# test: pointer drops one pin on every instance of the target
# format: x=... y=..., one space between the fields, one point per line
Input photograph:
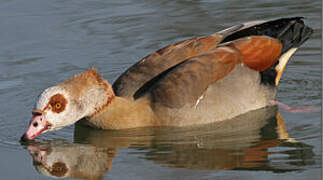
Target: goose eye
x=58 y=105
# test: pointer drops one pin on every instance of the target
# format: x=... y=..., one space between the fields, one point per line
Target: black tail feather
x=292 y=32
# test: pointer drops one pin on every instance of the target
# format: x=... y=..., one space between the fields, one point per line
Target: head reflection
x=243 y=143
x=61 y=159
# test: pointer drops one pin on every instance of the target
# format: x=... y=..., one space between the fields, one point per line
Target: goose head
x=62 y=105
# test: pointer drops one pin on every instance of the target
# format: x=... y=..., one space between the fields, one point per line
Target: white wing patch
x=198 y=100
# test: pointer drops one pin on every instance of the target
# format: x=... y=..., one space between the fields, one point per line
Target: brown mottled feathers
x=88 y=79
x=186 y=83
x=81 y=84
x=152 y=65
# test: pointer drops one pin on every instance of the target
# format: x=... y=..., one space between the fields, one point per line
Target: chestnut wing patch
x=259 y=52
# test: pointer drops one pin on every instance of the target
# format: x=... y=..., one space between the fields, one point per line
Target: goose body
x=196 y=81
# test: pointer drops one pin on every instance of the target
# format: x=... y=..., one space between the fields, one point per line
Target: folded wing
x=186 y=83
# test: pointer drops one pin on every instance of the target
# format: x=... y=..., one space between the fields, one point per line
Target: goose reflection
x=242 y=143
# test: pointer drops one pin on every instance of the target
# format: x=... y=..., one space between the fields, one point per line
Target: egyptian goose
x=196 y=81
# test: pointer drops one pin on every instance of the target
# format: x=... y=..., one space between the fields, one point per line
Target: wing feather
x=188 y=81
x=152 y=65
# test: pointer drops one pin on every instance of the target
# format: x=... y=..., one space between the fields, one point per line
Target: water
x=45 y=42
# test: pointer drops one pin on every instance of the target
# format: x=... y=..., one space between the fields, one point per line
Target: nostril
x=35 y=124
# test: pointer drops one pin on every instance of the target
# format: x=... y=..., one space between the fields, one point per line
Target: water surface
x=45 y=42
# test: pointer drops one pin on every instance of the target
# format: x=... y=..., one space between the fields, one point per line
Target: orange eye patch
x=58 y=103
